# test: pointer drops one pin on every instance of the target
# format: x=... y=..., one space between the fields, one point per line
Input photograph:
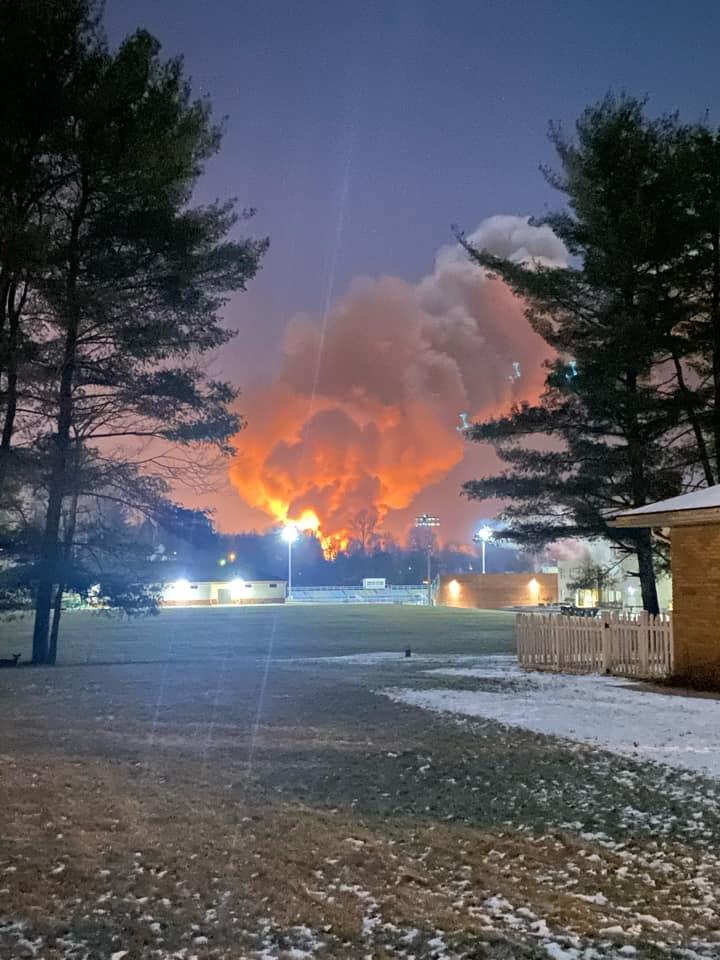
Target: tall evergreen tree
x=134 y=281
x=42 y=45
x=608 y=433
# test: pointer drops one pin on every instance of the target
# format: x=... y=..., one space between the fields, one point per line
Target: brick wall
x=696 y=604
x=495 y=590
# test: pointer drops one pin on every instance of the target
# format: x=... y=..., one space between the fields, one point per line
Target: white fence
x=629 y=646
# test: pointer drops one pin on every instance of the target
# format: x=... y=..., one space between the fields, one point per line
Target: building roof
x=689 y=509
x=203 y=573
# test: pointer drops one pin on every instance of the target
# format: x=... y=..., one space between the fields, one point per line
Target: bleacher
x=415 y=594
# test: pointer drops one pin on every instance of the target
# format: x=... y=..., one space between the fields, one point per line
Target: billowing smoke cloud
x=363 y=413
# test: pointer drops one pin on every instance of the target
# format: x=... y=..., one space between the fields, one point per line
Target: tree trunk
x=689 y=403
x=67 y=559
x=4 y=354
x=639 y=487
x=50 y=547
x=648 y=585
x=55 y=628
x=12 y=363
x=715 y=327
x=48 y=576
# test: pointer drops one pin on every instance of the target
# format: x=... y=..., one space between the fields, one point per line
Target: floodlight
x=482 y=537
x=180 y=590
x=290 y=533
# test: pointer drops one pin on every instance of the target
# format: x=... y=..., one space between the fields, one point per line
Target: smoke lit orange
x=363 y=414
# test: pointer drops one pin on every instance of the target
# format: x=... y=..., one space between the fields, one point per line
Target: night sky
x=362 y=131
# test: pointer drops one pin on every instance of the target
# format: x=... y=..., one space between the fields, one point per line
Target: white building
x=621 y=588
x=184 y=592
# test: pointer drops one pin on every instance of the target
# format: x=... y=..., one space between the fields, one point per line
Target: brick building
x=694 y=524
x=493 y=591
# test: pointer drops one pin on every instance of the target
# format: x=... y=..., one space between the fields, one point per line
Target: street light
x=289 y=535
x=482 y=536
x=427 y=520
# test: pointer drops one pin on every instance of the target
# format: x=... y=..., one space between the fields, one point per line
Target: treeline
x=111 y=285
x=630 y=412
x=260 y=555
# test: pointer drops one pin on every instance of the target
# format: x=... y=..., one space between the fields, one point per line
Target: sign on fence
x=627 y=646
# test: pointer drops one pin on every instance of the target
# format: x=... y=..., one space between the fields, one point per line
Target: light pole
x=426 y=520
x=289 y=535
x=482 y=536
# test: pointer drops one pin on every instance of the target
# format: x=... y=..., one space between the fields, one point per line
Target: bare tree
x=364 y=526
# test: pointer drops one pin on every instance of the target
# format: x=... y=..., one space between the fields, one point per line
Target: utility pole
x=289 y=535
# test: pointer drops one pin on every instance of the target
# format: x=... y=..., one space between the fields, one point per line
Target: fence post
x=645 y=629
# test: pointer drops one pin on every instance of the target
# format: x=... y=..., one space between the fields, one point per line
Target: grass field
x=201 y=632
x=216 y=784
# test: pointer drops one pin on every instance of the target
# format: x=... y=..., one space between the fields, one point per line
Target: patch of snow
x=602 y=711
x=389 y=656
x=556 y=952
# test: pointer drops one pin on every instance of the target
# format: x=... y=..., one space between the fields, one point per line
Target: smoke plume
x=363 y=412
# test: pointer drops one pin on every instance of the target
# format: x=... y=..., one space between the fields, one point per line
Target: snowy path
x=606 y=712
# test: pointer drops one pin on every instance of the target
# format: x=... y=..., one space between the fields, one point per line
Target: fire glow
x=363 y=413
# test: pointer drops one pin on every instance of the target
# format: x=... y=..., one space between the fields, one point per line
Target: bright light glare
x=485 y=534
x=534 y=588
x=290 y=533
x=454 y=589
x=179 y=591
x=236 y=588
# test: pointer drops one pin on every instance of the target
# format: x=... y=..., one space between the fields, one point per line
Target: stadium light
x=289 y=534
x=482 y=536
x=428 y=520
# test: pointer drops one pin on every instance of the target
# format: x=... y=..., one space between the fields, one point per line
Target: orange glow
x=309 y=520
x=363 y=414
x=534 y=588
x=454 y=589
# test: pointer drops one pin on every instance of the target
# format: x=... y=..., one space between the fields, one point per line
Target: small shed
x=206 y=585
x=694 y=524
x=198 y=592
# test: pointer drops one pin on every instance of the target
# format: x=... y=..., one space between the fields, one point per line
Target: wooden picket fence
x=628 y=646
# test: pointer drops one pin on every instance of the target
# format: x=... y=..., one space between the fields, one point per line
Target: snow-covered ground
x=680 y=731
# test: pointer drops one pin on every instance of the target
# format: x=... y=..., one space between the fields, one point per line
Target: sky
x=361 y=132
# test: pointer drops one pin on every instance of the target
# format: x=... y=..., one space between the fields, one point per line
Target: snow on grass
x=385 y=657
x=679 y=731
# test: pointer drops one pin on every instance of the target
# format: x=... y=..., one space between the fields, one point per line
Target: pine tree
x=133 y=284
x=607 y=434
x=42 y=43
